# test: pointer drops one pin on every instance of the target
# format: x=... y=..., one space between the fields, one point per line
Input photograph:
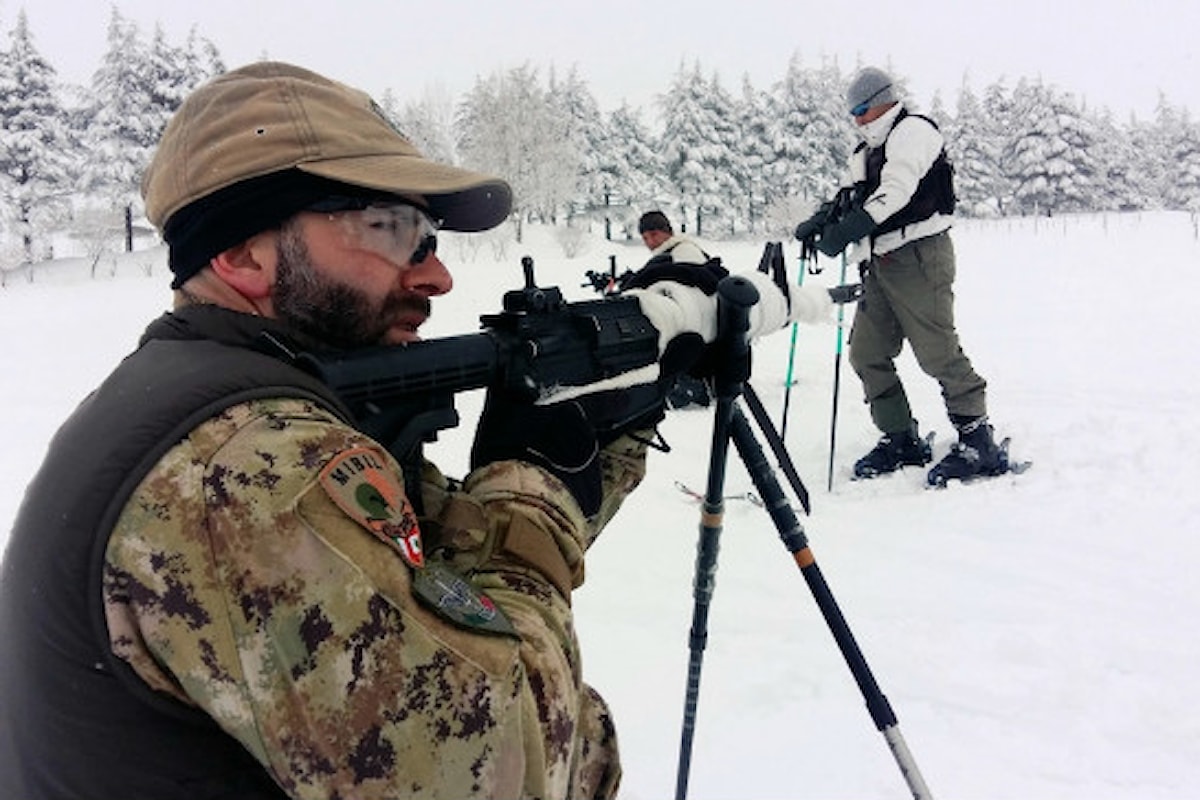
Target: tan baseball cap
x=270 y=117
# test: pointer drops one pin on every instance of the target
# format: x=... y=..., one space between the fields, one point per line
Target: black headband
x=206 y=227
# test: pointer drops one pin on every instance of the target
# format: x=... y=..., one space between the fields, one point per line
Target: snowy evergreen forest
x=725 y=162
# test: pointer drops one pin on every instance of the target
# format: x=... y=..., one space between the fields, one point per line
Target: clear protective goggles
x=402 y=232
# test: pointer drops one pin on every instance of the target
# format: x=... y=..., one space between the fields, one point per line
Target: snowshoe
x=974 y=455
x=895 y=450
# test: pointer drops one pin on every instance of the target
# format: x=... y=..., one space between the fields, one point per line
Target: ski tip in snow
x=698 y=497
x=1015 y=467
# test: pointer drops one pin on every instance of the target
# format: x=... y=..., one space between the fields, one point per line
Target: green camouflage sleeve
x=267 y=571
x=546 y=536
x=622 y=468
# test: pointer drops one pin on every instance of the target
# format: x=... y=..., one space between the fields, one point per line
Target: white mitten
x=674 y=308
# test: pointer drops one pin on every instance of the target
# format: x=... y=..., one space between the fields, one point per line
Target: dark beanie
x=229 y=216
x=654 y=221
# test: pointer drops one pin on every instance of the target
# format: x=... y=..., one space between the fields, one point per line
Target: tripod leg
x=792 y=534
x=732 y=353
x=711 y=523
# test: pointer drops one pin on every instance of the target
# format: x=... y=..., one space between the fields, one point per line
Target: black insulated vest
x=75 y=722
x=934 y=194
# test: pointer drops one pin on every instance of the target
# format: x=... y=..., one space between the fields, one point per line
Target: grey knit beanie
x=871 y=86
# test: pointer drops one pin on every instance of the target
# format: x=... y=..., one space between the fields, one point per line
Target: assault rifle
x=403 y=396
x=830 y=212
x=607 y=283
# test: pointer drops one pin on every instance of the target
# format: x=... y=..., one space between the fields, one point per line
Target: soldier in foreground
x=218 y=587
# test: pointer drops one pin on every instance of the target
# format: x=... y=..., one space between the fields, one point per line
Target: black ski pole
x=735 y=297
x=837 y=379
x=792 y=534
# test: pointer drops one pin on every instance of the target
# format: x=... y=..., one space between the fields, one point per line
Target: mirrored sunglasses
x=400 y=232
x=865 y=105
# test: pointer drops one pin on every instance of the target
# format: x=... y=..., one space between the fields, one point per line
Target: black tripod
x=735 y=297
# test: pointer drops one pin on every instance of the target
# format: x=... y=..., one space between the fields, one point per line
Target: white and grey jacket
x=913 y=145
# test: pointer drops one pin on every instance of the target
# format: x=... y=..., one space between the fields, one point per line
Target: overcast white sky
x=1115 y=53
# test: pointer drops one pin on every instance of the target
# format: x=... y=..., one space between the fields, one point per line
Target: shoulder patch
x=362 y=485
x=454 y=598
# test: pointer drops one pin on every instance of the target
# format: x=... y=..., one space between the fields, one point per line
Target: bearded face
x=336 y=313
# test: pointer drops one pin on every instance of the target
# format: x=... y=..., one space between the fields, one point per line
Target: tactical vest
x=934 y=194
x=75 y=721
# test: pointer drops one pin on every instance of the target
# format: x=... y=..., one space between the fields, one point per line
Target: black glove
x=846 y=293
x=560 y=438
x=836 y=236
x=813 y=224
x=684 y=353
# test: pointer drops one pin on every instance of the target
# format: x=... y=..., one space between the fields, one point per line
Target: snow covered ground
x=1036 y=635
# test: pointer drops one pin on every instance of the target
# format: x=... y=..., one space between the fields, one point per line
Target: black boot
x=893 y=451
x=975 y=454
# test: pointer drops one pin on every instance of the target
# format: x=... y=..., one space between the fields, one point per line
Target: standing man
x=897 y=206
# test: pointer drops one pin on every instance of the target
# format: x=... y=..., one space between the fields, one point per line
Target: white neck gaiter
x=875 y=132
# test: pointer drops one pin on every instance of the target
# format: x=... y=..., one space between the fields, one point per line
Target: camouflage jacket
x=238 y=581
x=270 y=572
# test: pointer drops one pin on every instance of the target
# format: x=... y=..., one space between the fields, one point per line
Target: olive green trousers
x=908 y=295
